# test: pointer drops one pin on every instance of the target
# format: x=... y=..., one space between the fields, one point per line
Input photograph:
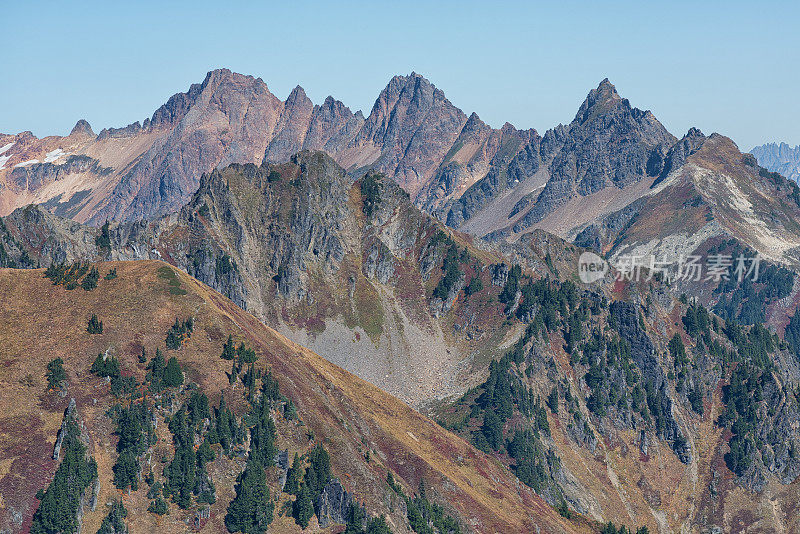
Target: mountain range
x=486 y=182
x=436 y=258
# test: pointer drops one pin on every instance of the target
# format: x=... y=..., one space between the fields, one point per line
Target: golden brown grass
x=39 y=322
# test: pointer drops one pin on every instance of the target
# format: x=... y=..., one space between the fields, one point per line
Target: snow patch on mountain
x=53 y=155
x=26 y=163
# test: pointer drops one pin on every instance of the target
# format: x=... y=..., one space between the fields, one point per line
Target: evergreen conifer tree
x=56 y=375
x=251 y=510
x=173 y=376
x=303 y=508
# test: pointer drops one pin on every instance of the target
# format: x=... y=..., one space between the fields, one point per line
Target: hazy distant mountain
x=780 y=158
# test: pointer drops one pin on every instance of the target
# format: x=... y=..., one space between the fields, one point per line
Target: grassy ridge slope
x=40 y=321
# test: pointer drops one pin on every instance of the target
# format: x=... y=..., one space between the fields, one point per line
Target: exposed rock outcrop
x=332 y=504
x=69 y=414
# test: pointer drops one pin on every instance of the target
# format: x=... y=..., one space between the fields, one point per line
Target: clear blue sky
x=731 y=67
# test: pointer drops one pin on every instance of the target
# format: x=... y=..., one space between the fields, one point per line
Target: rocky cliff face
x=707 y=190
x=609 y=147
x=608 y=144
x=780 y=158
x=226 y=119
x=294 y=244
x=148 y=169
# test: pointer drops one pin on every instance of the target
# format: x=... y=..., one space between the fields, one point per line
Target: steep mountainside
x=712 y=192
x=608 y=150
x=611 y=396
x=350 y=269
x=148 y=169
x=366 y=432
x=780 y=158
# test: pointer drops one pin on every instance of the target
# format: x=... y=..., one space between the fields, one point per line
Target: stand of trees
x=114 y=522
x=89 y=281
x=356 y=516
x=105 y=366
x=792 y=334
x=450 y=267
x=610 y=528
x=424 y=516
x=58 y=505
x=135 y=431
x=251 y=511
x=66 y=275
x=746 y=300
x=108 y=366
x=70 y=276
x=158 y=506
x=179 y=332
x=307 y=483
x=475 y=285
x=103 y=239
x=370 y=193
x=225 y=430
x=163 y=374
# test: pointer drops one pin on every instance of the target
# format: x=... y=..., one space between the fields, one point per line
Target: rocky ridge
x=780 y=158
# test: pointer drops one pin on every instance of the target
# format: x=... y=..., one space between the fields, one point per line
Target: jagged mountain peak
x=217 y=76
x=396 y=84
x=414 y=88
x=474 y=122
x=233 y=118
x=603 y=97
x=413 y=77
x=727 y=144
x=218 y=82
x=331 y=102
x=82 y=127
x=336 y=108
x=510 y=128
x=605 y=101
x=607 y=89
x=297 y=94
x=694 y=132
